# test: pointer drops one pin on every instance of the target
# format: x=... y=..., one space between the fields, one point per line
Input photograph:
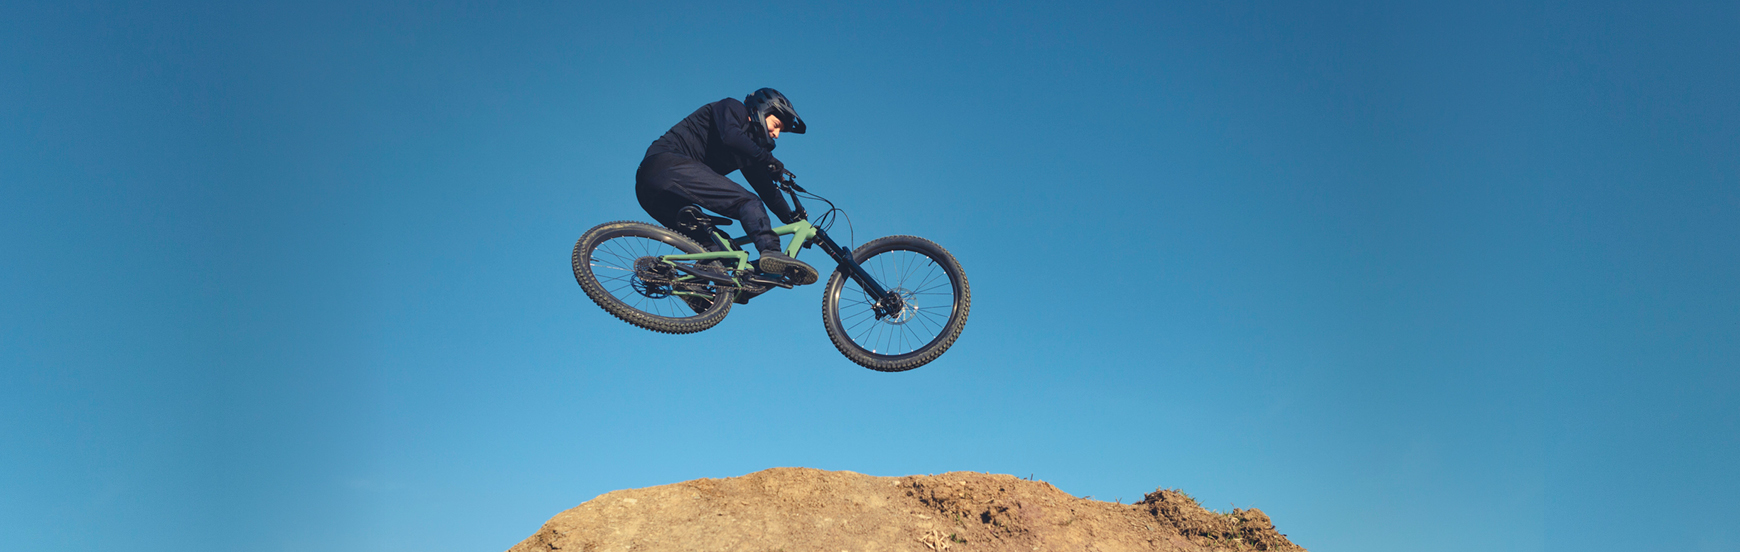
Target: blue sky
x=293 y=276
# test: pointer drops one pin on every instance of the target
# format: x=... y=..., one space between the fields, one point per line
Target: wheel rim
x=618 y=263
x=926 y=288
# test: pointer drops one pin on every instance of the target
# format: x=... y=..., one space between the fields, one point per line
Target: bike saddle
x=691 y=218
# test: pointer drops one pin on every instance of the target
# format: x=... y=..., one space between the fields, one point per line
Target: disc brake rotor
x=908 y=307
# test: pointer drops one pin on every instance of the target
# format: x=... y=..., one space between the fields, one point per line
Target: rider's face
x=774 y=126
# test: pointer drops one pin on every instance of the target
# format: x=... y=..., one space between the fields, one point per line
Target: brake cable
x=826 y=220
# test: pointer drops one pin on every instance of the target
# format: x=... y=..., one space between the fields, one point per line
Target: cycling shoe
x=798 y=272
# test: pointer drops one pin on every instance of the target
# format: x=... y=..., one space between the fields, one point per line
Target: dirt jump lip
x=811 y=509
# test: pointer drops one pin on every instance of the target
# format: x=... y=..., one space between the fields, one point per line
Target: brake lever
x=791 y=180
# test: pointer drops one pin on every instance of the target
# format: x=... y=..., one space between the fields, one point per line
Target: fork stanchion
x=886 y=303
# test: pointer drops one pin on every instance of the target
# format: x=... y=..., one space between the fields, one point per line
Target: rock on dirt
x=802 y=509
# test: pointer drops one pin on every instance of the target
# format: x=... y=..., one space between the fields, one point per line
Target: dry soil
x=801 y=509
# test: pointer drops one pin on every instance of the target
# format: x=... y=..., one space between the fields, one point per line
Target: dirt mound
x=801 y=509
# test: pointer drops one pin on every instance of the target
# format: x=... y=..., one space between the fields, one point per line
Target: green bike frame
x=801 y=231
x=803 y=235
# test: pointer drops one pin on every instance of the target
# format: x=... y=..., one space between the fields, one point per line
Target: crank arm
x=759 y=279
x=704 y=274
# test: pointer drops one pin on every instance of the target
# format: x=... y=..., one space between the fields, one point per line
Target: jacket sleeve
x=764 y=187
x=731 y=116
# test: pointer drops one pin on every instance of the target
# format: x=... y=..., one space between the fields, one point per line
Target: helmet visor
x=792 y=122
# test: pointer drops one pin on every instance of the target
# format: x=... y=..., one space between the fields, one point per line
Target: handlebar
x=788 y=182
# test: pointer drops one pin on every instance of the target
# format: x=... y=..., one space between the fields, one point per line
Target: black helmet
x=768 y=101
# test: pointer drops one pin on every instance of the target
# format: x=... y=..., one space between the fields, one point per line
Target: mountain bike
x=892 y=304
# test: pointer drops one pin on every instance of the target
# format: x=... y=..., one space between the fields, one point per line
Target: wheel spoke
x=910 y=274
x=923 y=286
x=612 y=262
x=931 y=289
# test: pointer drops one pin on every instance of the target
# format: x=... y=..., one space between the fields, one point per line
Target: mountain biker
x=687 y=166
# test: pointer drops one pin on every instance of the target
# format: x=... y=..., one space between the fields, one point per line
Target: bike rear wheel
x=933 y=288
x=615 y=264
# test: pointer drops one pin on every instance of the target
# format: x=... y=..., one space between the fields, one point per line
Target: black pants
x=667 y=182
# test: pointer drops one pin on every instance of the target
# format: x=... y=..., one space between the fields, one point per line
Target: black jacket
x=719 y=135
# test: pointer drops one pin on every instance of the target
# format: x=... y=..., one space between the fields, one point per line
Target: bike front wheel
x=616 y=264
x=935 y=298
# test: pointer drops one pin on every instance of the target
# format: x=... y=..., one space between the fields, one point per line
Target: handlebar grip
x=787 y=179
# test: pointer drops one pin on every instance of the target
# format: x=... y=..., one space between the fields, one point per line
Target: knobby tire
x=933 y=278
x=605 y=247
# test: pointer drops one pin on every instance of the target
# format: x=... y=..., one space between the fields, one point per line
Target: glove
x=776 y=170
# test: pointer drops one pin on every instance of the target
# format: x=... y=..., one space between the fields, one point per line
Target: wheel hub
x=901 y=306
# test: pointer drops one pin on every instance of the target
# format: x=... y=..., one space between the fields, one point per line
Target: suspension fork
x=886 y=303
